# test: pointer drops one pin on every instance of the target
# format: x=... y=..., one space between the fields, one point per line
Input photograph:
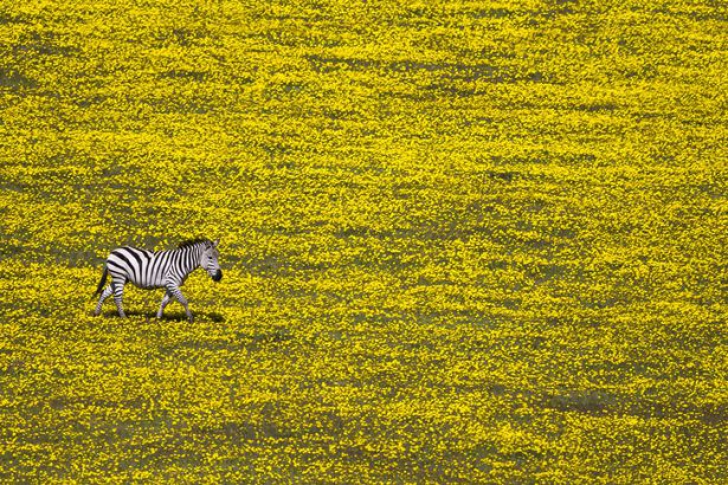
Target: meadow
x=463 y=242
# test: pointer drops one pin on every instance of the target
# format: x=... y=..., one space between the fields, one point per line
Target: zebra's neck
x=190 y=258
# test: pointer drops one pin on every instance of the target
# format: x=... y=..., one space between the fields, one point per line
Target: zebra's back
x=143 y=268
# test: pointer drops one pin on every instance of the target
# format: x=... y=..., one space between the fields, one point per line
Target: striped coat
x=158 y=269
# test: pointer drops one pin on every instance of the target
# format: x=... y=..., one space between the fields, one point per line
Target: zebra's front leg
x=118 y=295
x=106 y=293
x=165 y=299
x=177 y=293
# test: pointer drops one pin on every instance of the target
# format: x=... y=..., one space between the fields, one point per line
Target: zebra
x=158 y=269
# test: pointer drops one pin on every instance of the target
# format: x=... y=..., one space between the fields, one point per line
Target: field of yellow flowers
x=463 y=241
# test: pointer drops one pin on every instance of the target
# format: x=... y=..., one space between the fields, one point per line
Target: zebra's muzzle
x=217 y=276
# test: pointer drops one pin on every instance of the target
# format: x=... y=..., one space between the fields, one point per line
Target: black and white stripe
x=159 y=269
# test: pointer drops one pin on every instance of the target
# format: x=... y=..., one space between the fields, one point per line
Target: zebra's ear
x=215 y=242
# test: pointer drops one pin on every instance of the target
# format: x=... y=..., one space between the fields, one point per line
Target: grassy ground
x=462 y=241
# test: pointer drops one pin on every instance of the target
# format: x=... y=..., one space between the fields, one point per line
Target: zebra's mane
x=192 y=242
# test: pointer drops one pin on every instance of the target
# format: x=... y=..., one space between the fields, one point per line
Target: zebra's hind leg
x=118 y=295
x=104 y=295
x=165 y=300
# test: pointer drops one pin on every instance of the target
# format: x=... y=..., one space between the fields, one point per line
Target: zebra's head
x=208 y=260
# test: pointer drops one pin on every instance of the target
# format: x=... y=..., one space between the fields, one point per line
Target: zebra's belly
x=148 y=287
x=147 y=284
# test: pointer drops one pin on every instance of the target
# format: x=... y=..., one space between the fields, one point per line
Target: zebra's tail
x=102 y=282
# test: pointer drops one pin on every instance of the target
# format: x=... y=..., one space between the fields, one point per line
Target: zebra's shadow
x=169 y=316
